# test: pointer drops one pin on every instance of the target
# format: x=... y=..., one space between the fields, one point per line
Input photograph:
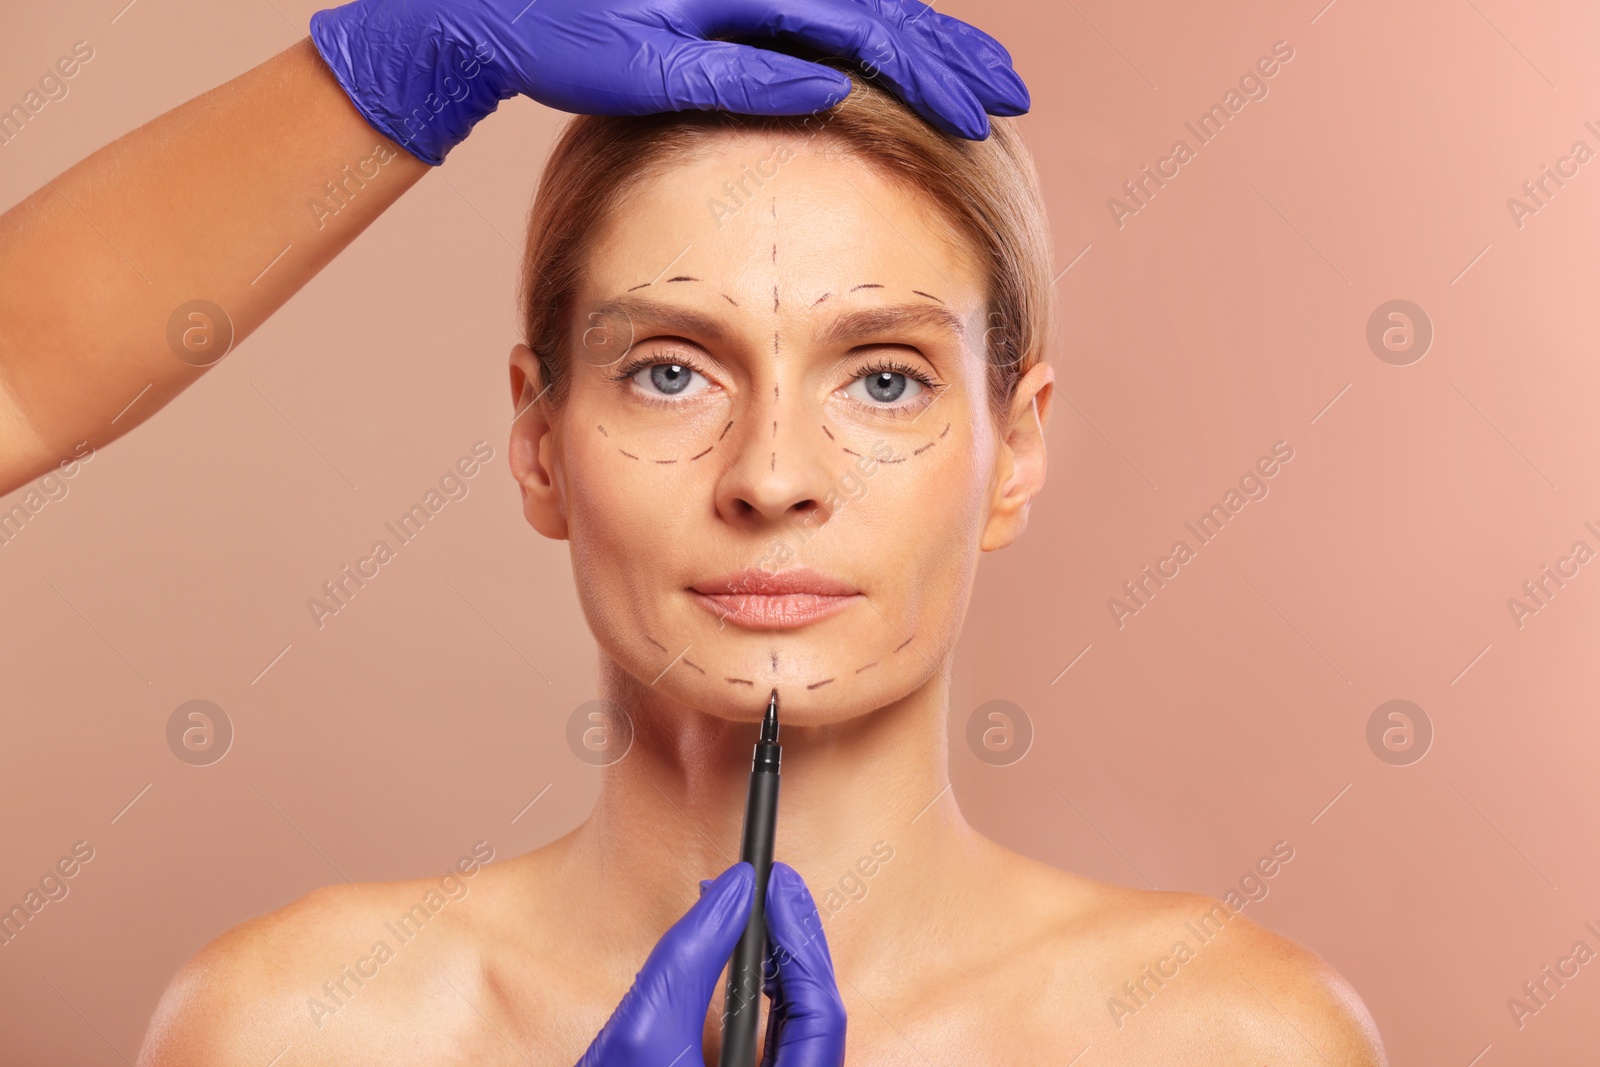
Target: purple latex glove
x=661 y=1019
x=425 y=71
x=806 y=1023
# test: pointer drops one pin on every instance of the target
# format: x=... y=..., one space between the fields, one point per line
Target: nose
x=777 y=457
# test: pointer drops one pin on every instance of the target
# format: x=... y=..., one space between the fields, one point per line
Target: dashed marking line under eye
x=692 y=458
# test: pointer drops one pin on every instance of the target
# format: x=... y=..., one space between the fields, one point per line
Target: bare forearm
x=225 y=199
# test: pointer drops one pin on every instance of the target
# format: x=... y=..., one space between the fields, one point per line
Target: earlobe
x=531 y=447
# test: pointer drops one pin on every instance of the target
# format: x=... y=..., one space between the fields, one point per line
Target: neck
x=865 y=815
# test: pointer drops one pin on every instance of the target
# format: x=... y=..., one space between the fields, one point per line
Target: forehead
x=758 y=209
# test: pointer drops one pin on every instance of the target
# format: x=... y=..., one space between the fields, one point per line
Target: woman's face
x=777 y=374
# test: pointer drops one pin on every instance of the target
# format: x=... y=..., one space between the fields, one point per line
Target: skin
x=194 y=203
x=960 y=950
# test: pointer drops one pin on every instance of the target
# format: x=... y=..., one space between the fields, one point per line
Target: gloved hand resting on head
x=661 y=1020
x=425 y=71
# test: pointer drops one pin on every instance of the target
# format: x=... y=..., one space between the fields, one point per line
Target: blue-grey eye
x=670 y=378
x=666 y=379
x=886 y=387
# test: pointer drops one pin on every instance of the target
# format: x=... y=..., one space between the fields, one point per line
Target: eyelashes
x=877 y=365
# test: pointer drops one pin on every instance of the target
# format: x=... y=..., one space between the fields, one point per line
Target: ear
x=1020 y=460
x=533 y=448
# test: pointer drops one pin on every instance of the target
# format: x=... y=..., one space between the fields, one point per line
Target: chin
x=826 y=671
x=836 y=702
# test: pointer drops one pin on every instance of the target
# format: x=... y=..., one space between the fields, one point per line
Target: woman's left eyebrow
x=862 y=323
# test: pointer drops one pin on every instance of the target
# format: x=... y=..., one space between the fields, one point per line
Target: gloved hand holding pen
x=425 y=71
x=663 y=1015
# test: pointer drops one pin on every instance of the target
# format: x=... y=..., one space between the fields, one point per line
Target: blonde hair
x=987 y=192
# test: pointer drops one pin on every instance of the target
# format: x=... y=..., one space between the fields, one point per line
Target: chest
x=555 y=1029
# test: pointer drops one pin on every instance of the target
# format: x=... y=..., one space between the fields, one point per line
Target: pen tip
x=769 y=722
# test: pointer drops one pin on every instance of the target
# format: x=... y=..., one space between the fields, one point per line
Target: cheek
x=921 y=522
x=620 y=519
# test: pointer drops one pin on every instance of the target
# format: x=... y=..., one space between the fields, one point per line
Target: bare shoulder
x=337 y=976
x=1280 y=999
x=1187 y=976
x=1189 y=973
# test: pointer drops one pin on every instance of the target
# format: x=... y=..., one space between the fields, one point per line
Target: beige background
x=1229 y=714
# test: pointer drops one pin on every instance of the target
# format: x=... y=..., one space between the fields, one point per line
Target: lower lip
x=773 y=612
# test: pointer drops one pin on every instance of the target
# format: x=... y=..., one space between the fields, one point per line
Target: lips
x=760 y=582
x=766 y=600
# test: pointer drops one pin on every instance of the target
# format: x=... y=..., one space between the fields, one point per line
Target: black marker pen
x=743 y=1006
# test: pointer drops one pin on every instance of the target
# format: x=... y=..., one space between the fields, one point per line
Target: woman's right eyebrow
x=641 y=310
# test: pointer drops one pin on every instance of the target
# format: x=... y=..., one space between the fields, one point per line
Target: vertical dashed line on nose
x=777 y=341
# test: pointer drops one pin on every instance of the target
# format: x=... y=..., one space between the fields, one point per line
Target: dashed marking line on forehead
x=684 y=278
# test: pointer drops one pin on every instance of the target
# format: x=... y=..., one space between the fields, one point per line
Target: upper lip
x=758 y=582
